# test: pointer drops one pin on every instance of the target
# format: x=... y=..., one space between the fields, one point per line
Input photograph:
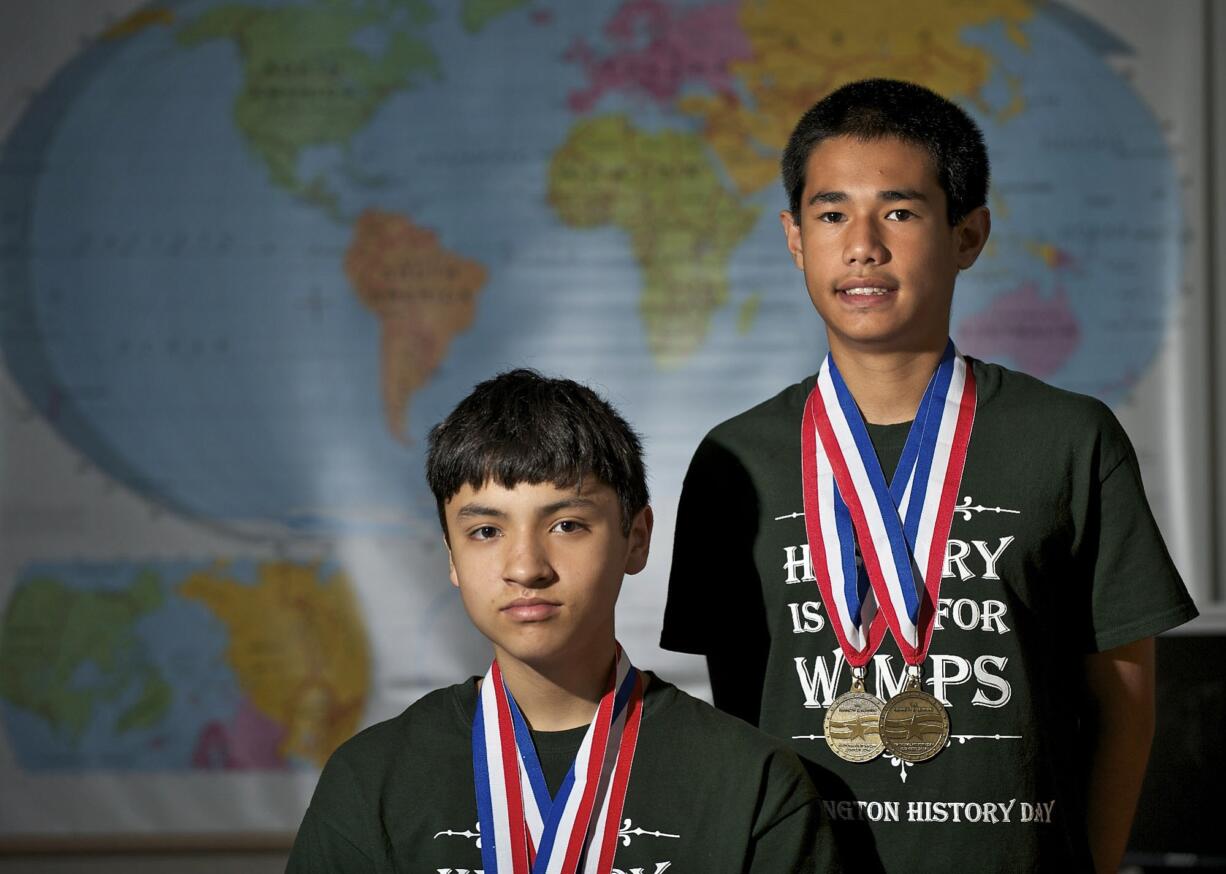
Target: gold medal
x=853 y=723
x=914 y=724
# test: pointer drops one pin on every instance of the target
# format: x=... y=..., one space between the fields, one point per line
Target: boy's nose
x=527 y=564
x=863 y=245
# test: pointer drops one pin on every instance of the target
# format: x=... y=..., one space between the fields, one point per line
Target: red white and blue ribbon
x=902 y=528
x=523 y=829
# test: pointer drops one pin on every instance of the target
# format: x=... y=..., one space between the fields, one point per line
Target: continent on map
x=683 y=45
x=1036 y=333
x=64 y=651
x=423 y=295
x=138 y=21
x=299 y=648
x=748 y=313
x=154 y=702
x=476 y=14
x=1052 y=256
x=249 y=741
x=306 y=80
x=798 y=57
x=661 y=189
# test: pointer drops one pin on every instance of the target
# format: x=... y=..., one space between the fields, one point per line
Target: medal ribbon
x=523 y=829
x=901 y=529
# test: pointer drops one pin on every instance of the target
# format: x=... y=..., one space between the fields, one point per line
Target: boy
x=937 y=578
x=542 y=496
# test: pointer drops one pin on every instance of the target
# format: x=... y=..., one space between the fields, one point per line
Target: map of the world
x=251 y=251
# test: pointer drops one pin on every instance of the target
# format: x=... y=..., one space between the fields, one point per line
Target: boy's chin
x=539 y=655
x=545 y=656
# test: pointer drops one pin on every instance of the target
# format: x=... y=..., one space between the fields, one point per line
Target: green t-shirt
x=707 y=793
x=1053 y=554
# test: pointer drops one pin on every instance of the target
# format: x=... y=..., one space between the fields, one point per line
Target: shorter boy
x=543 y=500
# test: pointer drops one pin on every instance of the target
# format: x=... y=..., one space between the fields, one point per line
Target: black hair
x=874 y=109
x=522 y=427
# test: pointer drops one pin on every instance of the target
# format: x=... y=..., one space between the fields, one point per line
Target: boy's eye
x=485 y=532
x=830 y=217
x=568 y=526
x=899 y=215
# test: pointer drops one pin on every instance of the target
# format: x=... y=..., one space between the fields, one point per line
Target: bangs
x=521 y=427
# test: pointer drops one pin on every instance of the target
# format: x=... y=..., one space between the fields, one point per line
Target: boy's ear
x=640 y=540
x=455 y=579
x=791 y=232
x=971 y=235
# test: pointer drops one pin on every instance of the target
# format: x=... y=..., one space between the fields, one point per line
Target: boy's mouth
x=531 y=609
x=863 y=289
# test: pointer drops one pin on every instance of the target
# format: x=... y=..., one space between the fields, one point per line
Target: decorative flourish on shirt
x=966 y=508
x=626 y=832
x=963 y=738
x=902 y=766
x=464 y=834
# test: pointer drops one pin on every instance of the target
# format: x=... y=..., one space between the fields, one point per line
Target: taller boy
x=938 y=578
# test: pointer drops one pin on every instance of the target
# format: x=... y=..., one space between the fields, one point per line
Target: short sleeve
x=320 y=849
x=714 y=591
x=1136 y=591
x=792 y=833
x=339 y=831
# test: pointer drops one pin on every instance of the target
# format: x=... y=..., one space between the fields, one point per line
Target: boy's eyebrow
x=566 y=504
x=474 y=509
x=902 y=194
x=827 y=197
x=889 y=196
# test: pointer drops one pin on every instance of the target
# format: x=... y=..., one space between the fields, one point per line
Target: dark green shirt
x=1053 y=554
x=707 y=793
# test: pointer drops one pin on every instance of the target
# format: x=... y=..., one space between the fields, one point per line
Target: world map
x=172 y=666
x=251 y=251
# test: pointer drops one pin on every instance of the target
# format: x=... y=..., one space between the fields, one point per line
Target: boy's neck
x=887 y=386
x=559 y=697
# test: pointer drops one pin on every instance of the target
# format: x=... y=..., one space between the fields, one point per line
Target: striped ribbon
x=901 y=528
x=523 y=829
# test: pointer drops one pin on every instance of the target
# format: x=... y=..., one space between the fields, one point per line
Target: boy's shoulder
x=1018 y=409
x=394 y=763
x=672 y=710
x=431 y=723
x=778 y=414
x=1001 y=386
x=685 y=741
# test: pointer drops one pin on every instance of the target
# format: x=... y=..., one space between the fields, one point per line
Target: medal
x=901 y=529
x=853 y=723
x=523 y=829
x=914 y=724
